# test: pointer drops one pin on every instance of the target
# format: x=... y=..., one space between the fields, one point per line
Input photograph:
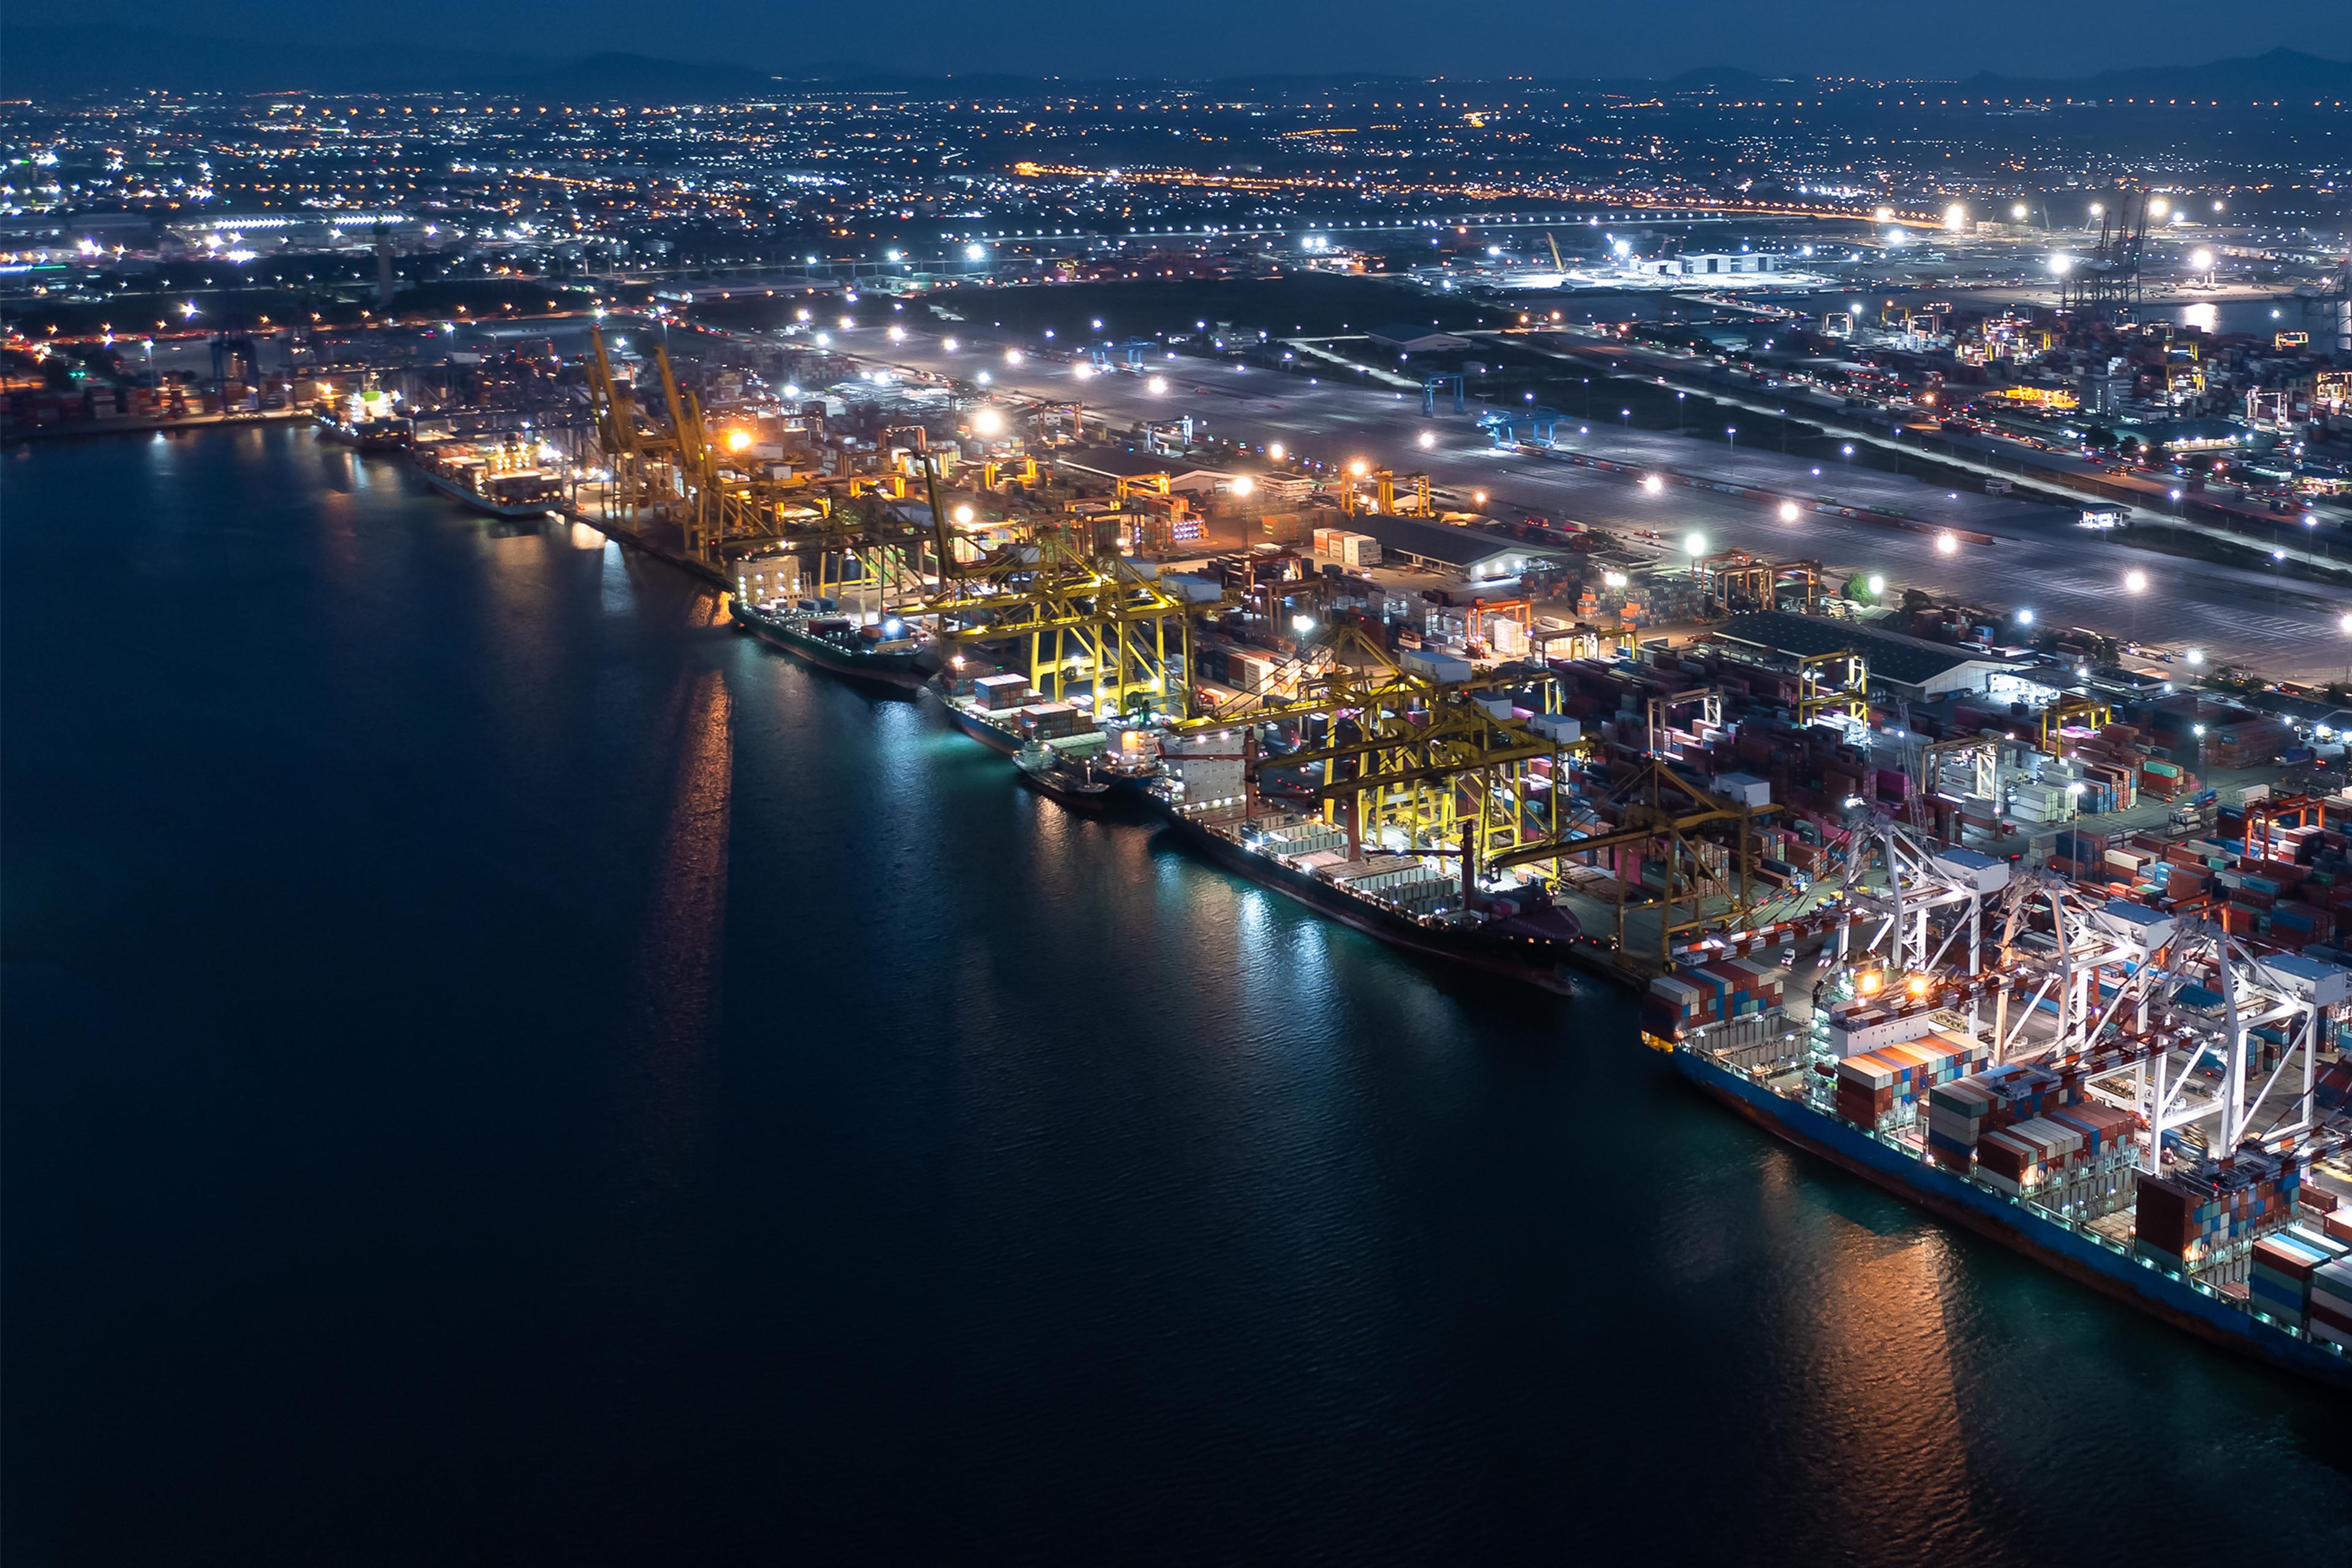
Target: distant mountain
x=2282 y=73
x=641 y=78
x=62 y=61
x=45 y=62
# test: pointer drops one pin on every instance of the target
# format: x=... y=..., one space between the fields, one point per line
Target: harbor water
x=501 y=1067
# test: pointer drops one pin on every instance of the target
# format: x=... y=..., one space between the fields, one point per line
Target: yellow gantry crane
x=1405 y=762
x=1706 y=882
x=1091 y=620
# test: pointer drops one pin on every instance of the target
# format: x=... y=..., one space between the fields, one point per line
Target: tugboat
x=1075 y=782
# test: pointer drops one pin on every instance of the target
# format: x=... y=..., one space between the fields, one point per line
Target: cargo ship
x=368 y=419
x=501 y=478
x=888 y=652
x=1398 y=899
x=2263 y=1267
x=996 y=710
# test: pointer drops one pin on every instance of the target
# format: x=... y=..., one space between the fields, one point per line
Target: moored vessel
x=888 y=652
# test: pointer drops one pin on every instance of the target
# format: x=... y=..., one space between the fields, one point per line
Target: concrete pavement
x=2039 y=557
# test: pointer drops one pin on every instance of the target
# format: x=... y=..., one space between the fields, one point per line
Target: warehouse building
x=1904 y=667
x=1470 y=554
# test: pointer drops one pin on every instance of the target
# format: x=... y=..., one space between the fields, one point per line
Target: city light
x=1694 y=545
x=1947 y=544
x=963 y=513
x=1357 y=467
x=1428 y=438
x=987 y=421
x=1956 y=217
x=2195 y=655
x=948 y=345
x=1876 y=585
x=2135 y=581
x=1157 y=383
x=1243 y=484
x=2025 y=618
x=1651 y=483
x=1790 y=511
x=738 y=439
x=975 y=253
x=1082 y=372
x=1275 y=451
x=1302 y=625
x=1012 y=356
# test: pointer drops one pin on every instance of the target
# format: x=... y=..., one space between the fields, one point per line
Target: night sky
x=1236 y=37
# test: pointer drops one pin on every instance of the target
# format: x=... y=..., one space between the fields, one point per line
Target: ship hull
x=1091 y=801
x=980 y=730
x=904 y=672
x=1536 y=961
x=512 y=511
x=1963 y=1203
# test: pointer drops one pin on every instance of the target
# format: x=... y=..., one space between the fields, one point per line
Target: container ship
x=1000 y=712
x=502 y=479
x=888 y=652
x=365 y=419
x=1409 y=898
x=368 y=419
x=2248 y=1251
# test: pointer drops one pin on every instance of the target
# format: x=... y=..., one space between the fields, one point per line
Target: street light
x=1947 y=544
x=2025 y=618
x=1730 y=434
x=2195 y=655
x=1876 y=585
x=1652 y=484
x=1428 y=438
x=1275 y=451
x=1678 y=411
x=1788 y=511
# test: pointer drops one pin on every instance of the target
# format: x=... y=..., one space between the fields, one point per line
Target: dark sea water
x=498 y=1069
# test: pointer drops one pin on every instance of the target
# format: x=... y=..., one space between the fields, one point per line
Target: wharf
x=148 y=425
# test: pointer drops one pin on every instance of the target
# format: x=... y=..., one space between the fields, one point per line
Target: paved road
x=2040 y=558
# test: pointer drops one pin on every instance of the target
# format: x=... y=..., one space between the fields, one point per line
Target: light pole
x=1731 y=435
x=1678 y=411
x=2135 y=584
